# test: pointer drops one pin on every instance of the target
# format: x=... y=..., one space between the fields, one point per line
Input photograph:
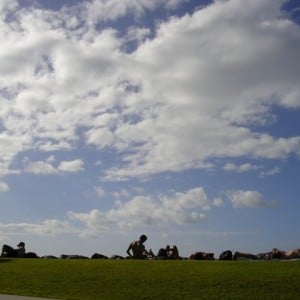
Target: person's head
x=168 y=247
x=143 y=238
x=21 y=245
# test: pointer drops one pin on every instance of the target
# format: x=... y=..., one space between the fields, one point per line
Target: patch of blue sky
x=286 y=122
x=292 y=9
x=59 y=191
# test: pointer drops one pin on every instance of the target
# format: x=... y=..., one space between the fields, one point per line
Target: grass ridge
x=131 y=279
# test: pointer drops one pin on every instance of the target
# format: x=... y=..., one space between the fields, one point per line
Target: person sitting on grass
x=295 y=253
x=137 y=250
x=202 y=256
x=8 y=251
x=162 y=253
x=273 y=254
x=173 y=253
x=243 y=255
x=280 y=254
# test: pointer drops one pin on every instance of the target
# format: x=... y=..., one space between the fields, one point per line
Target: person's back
x=138 y=249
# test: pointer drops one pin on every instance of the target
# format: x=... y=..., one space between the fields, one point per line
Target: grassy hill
x=131 y=279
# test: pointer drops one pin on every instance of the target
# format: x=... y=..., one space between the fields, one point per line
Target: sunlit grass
x=130 y=279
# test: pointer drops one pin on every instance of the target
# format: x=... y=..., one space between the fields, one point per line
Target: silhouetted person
x=163 y=253
x=280 y=254
x=8 y=251
x=173 y=253
x=273 y=254
x=137 y=249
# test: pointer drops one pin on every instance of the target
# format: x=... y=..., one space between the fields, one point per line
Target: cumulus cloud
x=71 y=166
x=100 y=10
x=48 y=227
x=191 y=120
x=175 y=209
x=7 y=5
x=248 y=199
x=187 y=95
x=241 y=168
x=179 y=208
x=46 y=167
x=40 y=167
x=275 y=170
x=193 y=198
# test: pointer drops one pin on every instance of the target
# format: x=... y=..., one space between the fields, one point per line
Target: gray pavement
x=12 y=297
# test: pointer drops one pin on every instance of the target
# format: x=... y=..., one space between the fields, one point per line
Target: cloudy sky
x=174 y=118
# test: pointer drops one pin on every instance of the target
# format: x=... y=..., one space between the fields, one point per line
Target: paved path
x=11 y=297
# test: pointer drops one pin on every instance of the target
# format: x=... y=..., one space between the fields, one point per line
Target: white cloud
x=138 y=34
x=193 y=198
x=189 y=95
x=51 y=159
x=218 y=202
x=251 y=167
x=4 y=187
x=190 y=57
x=141 y=211
x=48 y=227
x=248 y=199
x=101 y=10
x=179 y=208
x=241 y=168
x=71 y=166
x=100 y=192
x=7 y=5
x=40 y=167
x=123 y=194
x=275 y=170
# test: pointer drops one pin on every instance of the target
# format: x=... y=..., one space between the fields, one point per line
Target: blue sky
x=174 y=118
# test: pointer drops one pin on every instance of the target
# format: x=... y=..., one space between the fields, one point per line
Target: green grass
x=130 y=279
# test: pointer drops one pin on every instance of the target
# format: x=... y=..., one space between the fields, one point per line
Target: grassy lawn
x=129 y=279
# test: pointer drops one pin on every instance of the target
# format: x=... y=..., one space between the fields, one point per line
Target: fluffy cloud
x=7 y=5
x=248 y=199
x=49 y=227
x=275 y=170
x=181 y=99
x=101 y=10
x=241 y=168
x=71 y=166
x=213 y=83
x=41 y=167
x=179 y=208
x=190 y=207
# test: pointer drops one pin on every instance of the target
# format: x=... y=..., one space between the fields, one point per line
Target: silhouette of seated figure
x=8 y=251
